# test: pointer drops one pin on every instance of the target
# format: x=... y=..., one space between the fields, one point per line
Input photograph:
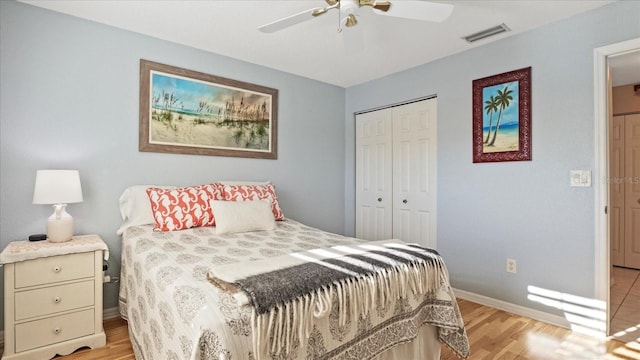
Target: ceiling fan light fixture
x=347 y=12
x=492 y=31
x=351 y=21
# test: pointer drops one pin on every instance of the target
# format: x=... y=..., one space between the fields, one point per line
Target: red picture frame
x=502 y=117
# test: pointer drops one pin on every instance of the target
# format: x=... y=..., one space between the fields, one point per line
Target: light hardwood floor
x=625 y=302
x=493 y=334
x=118 y=345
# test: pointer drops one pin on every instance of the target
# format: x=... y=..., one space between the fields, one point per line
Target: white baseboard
x=109 y=313
x=513 y=308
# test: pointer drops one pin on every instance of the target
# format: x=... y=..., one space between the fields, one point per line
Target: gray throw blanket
x=277 y=287
x=288 y=292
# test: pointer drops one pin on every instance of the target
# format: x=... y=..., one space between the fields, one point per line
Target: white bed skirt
x=416 y=349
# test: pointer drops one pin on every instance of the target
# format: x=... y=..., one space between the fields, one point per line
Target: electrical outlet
x=511 y=266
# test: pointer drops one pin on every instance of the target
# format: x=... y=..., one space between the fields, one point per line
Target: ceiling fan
x=416 y=10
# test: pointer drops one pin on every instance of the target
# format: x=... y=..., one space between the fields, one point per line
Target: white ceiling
x=315 y=49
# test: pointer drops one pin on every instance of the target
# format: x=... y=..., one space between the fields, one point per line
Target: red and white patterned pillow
x=255 y=192
x=183 y=208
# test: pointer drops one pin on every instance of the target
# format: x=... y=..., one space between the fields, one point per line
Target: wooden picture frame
x=189 y=112
x=502 y=117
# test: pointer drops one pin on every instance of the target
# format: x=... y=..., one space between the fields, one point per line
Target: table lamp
x=58 y=187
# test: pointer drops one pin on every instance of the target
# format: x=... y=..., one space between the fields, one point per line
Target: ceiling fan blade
x=378 y=5
x=381 y=5
x=289 y=21
x=418 y=10
x=320 y=11
x=333 y=4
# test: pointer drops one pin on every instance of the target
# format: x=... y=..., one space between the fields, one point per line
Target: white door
x=373 y=175
x=414 y=172
x=616 y=190
x=632 y=191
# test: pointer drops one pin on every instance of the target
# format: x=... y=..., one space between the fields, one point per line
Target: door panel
x=425 y=223
x=616 y=190
x=632 y=191
x=373 y=175
x=414 y=150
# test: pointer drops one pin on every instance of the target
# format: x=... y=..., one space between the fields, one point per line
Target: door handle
x=404 y=201
x=379 y=199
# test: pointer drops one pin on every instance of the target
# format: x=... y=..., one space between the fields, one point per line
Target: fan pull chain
x=339 y=26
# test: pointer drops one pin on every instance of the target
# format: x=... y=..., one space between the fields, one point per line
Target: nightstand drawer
x=54 y=269
x=53 y=299
x=52 y=330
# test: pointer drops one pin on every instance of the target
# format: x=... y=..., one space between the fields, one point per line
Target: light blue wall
x=522 y=210
x=69 y=99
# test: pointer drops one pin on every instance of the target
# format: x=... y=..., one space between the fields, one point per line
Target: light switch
x=580 y=178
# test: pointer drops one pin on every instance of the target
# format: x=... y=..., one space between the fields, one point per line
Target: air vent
x=487 y=33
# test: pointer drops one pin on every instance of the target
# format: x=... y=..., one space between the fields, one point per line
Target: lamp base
x=60 y=225
x=60 y=230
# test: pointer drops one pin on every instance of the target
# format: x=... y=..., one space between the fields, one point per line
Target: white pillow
x=242 y=216
x=135 y=207
x=237 y=182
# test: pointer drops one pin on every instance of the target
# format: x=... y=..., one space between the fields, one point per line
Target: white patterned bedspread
x=174 y=313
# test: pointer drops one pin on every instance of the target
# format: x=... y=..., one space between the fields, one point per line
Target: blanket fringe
x=275 y=332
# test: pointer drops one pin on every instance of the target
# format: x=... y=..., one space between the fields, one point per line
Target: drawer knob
x=57 y=330
x=57 y=268
x=57 y=299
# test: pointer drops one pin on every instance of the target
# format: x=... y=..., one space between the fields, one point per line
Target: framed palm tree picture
x=502 y=117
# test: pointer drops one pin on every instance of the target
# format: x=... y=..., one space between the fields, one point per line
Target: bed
x=175 y=311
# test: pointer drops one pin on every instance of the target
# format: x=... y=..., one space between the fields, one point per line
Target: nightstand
x=52 y=297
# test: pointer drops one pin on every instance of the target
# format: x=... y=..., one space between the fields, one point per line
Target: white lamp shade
x=57 y=187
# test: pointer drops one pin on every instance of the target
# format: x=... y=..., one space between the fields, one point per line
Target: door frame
x=602 y=111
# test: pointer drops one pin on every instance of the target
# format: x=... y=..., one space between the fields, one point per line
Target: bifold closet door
x=373 y=175
x=396 y=165
x=414 y=172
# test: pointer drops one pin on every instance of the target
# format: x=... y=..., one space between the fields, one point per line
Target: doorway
x=624 y=195
x=603 y=111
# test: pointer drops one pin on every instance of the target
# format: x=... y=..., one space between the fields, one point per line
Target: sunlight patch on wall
x=586 y=316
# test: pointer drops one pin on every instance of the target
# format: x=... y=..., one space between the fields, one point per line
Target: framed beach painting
x=189 y=112
x=502 y=117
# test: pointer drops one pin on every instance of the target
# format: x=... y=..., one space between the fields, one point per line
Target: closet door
x=616 y=190
x=373 y=175
x=414 y=172
x=632 y=191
